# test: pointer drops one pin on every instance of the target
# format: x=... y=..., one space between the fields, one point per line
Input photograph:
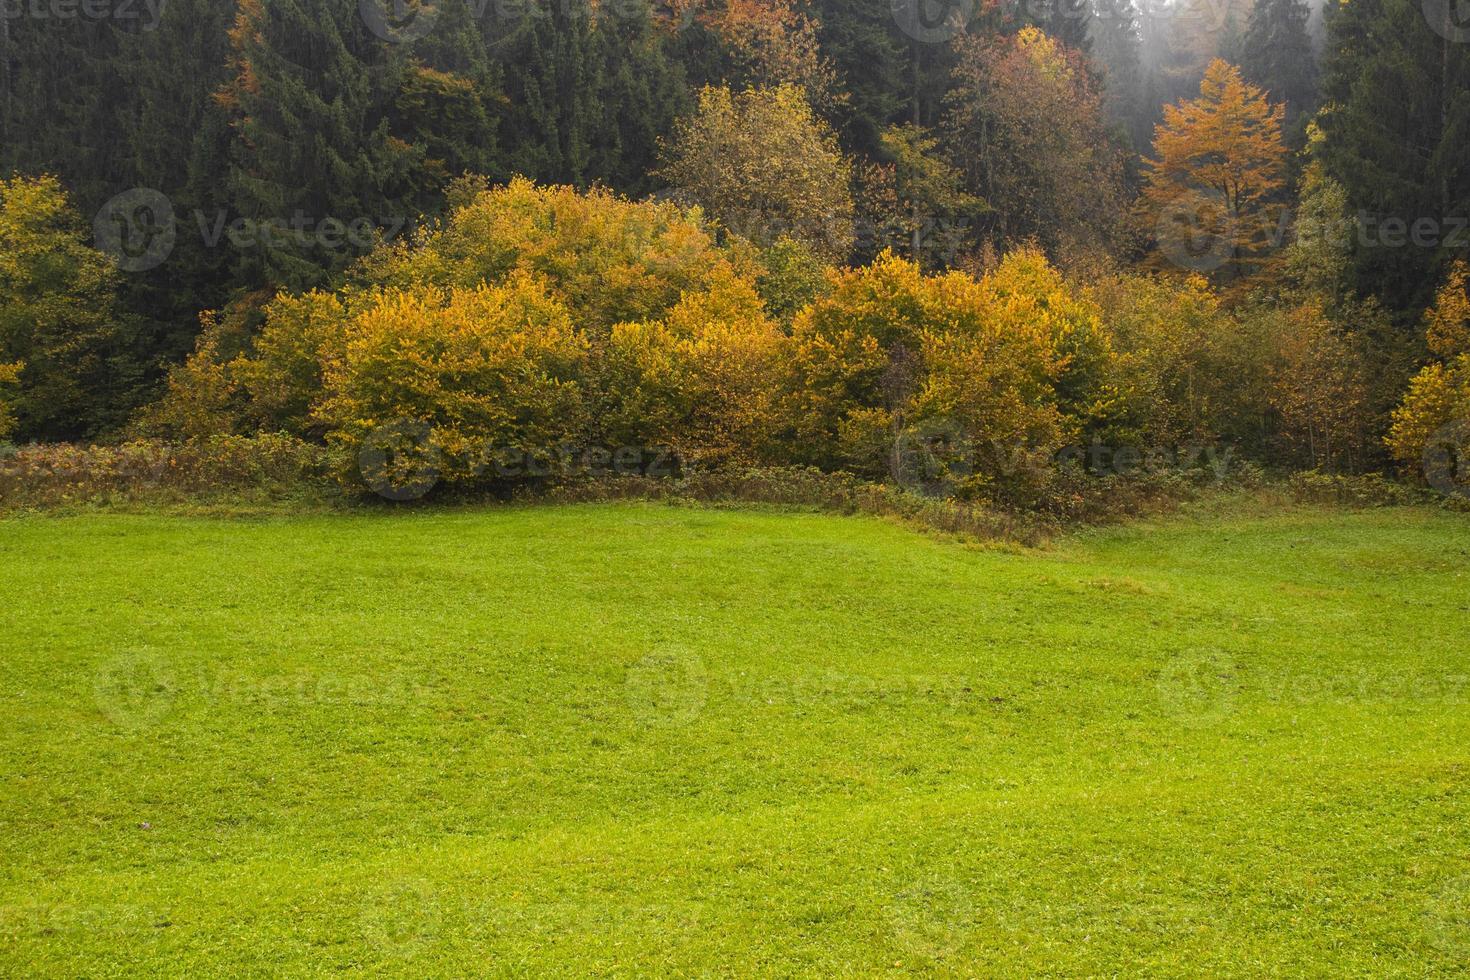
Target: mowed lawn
x=643 y=739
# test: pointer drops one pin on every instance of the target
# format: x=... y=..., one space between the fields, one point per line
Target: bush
x=1367 y=490
x=1185 y=370
x=608 y=260
x=940 y=379
x=68 y=355
x=483 y=370
x=540 y=325
x=1320 y=392
x=48 y=475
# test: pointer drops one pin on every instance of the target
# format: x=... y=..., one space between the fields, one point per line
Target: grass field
x=634 y=739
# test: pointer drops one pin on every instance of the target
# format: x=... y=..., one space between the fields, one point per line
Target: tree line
x=1271 y=151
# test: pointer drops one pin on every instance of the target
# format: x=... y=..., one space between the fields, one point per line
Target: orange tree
x=1211 y=197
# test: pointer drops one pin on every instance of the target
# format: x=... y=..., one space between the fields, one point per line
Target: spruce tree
x=1277 y=55
x=1397 y=138
x=338 y=121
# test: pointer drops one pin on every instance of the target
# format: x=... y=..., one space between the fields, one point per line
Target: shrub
x=1366 y=490
x=68 y=349
x=47 y=475
x=485 y=370
x=1319 y=389
x=282 y=376
x=791 y=277
x=9 y=375
x=942 y=375
x=1185 y=371
x=1430 y=435
x=606 y=259
x=704 y=381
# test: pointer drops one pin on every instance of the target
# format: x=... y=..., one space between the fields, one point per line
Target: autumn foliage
x=1211 y=200
x=1430 y=436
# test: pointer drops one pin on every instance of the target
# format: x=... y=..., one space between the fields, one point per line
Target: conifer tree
x=1276 y=54
x=335 y=124
x=1397 y=129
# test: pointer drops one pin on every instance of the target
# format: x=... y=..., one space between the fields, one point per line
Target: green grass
x=635 y=739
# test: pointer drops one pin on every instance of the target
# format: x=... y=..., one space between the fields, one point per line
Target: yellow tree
x=1431 y=427
x=774 y=42
x=764 y=165
x=1211 y=198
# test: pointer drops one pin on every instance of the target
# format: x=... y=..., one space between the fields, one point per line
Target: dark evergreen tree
x=1115 y=47
x=1397 y=137
x=894 y=58
x=642 y=93
x=1276 y=54
x=593 y=88
x=338 y=122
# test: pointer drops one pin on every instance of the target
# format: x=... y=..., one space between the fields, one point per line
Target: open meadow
x=640 y=738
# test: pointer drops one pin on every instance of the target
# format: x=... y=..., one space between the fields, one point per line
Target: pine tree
x=1116 y=49
x=1277 y=55
x=334 y=124
x=1397 y=137
x=592 y=90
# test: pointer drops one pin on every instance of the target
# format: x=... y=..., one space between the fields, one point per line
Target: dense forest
x=766 y=230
